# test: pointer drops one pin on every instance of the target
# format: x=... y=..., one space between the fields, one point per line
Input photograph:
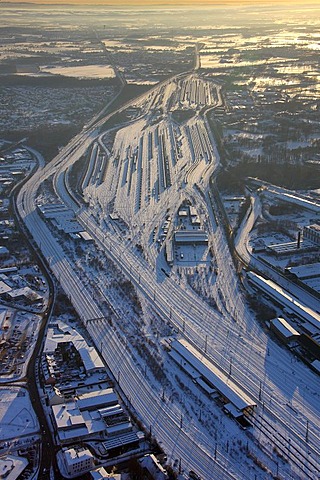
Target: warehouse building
x=283 y=330
x=212 y=380
x=282 y=298
x=308 y=276
x=191 y=237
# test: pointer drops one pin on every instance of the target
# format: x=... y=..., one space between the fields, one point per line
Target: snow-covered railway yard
x=152 y=184
x=156 y=166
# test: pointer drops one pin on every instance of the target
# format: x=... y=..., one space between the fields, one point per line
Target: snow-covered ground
x=139 y=224
x=128 y=328
x=82 y=71
x=18 y=422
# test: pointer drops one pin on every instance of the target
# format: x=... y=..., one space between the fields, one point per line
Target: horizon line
x=163 y=3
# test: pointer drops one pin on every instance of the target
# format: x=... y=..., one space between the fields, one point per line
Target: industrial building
x=285 y=195
x=61 y=217
x=25 y=294
x=191 y=237
x=312 y=233
x=212 y=380
x=79 y=418
x=83 y=406
x=290 y=248
x=307 y=316
x=308 y=276
x=283 y=330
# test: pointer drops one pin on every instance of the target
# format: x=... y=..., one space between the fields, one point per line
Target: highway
x=230 y=332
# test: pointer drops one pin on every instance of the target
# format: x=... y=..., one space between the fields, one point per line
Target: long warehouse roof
x=285 y=298
x=211 y=373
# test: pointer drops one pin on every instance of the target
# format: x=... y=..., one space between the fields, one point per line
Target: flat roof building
x=101 y=474
x=190 y=237
x=97 y=399
x=312 y=233
x=283 y=329
x=4 y=288
x=308 y=276
x=11 y=466
x=26 y=294
x=77 y=461
x=206 y=374
x=285 y=300
x=76 y=425
x=311 y=270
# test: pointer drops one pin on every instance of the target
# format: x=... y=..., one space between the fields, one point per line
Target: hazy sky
x=170 y=2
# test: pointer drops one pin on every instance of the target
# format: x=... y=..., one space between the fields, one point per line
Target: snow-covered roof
x=152 y=465
x=109 y=411
x=85 y=236
x=97 y=399
x=68 y=416
x=306 y=271
x=71 y=422
x=25 y=292
x=118 y=428
x=90 y=358
x=11 y=466
x=284 y=297
x=284 y=327
x=313 y=283
x=183 y=212
x=193 y=211
x=192 y=236
x=60 y=332
x=73 y=456
x=213 y=375
x=101 y=473
x=4 y=288
x=232 y=410
x=314 y=226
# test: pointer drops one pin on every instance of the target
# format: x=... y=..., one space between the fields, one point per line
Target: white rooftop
x=4 y=288
x=73 y=456
x=97 y=399
x=11 y=466
x=306 y=271
x=211 y=373
x=101 y=473
x=25 y=292
x=60 y=332
x=284 y=327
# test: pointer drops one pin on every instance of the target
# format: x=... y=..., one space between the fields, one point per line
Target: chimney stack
x=299 y=239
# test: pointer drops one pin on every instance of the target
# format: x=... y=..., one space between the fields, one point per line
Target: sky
x=169 y=2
